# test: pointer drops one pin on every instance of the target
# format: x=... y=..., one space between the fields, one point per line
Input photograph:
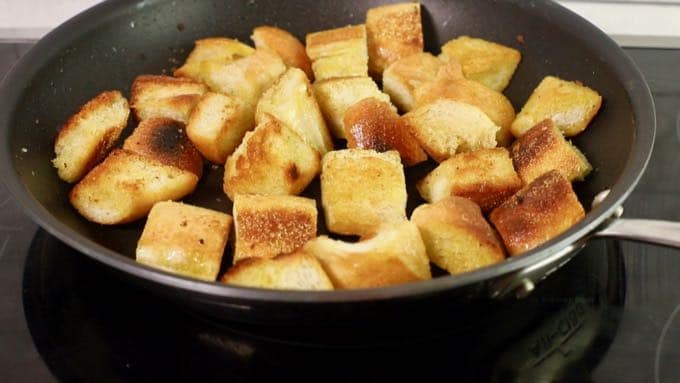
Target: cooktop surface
x=611 y=314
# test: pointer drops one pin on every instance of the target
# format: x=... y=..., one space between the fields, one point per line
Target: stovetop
x=612 y=314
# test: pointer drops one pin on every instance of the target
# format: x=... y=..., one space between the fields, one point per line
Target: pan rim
x=636 y=88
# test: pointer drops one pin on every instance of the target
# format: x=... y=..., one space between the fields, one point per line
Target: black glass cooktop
x=612 y=314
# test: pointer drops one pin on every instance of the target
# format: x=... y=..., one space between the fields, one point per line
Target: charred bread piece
x=337 y=94
x=165 y=141
x=394 y=254
x=339 y=52
x=286 y=45
x=393 y=31
x=456 y=235
x=360 y=189
x=485 y=176
x=184 y=239
x=543 y=148
x=496 y=106
x=445 y=127
x=297 y=271
x=126 y=185
x=246 y=78
x=219 y=50
x=271 y=160
x=88 y=136
x=401 y=78
x=164 y=96
x=486 y=62
x=373 y=124
x=570 y=105
x=538 y=212
x=291 y=101
x=217 y=125
x=267 y=226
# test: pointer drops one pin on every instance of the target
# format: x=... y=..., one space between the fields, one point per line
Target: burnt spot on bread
x=292 y=172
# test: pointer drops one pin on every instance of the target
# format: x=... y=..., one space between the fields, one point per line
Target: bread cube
x=537 y=213
x=126 y=185
x=165 y=141
x=286 y=45
x=373 y=124
x=184 y=239
x=291 y=101
x=485 y=176
x=401 y=78
x=445 y=127
x=496 y=106
x=271 y=160
x=486 y=62
x=246 y=78
x=360 y=189
x=88 y=136
x=297 y=271
x=570 y=105
x=219 y=50
x=164 y=96
x=395 y=254
x=393 y=31
x=267 y=226
x=543 y=148
x=457 y=237
x=339 y=52
x=336 y=95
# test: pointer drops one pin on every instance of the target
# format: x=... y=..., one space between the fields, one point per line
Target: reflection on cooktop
x=88 y=325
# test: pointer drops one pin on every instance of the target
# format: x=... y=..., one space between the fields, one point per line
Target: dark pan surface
x=107 y=46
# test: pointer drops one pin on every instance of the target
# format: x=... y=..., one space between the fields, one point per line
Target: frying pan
x=108 y=45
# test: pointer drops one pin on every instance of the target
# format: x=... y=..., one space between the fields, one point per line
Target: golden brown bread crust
x=166 y=141
x=165 y=96
x=543 y=148
x=350 y=32
x=267 y=226
x=392 y=31
x=286 y=45
x=539 y=212
x=373 y=124
x=211 y=50
x=456 y=235
x=339 y=52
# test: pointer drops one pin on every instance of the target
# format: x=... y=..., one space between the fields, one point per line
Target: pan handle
x=665 y=233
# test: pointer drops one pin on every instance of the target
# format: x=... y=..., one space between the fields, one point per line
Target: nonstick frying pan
x=108 y=45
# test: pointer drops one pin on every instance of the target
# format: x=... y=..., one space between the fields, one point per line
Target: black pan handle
x=665 y=233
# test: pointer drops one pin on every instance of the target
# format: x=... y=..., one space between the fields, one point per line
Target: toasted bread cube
x=291 y=101
x=165 y=141
x=126 y=185
x=486 y=62
x=445 y=127
x=485 y=176
x=543 y=148
x=267 y=226
x=373 y=124
x=538 y=212
x=393 y=31
x=297 y=271
x=395 y=254
x=271 y=160
x=457 y=237
x=496 y=106
x=214 y=49
x=338 y=94
x=360 y=189
x=246 y=78
x=286 y=45
x=339 y=52
x=570 y=105
x=217 y=125
x=88 y=136
x=164 y=96
x=184 y=239
x=401 y=78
